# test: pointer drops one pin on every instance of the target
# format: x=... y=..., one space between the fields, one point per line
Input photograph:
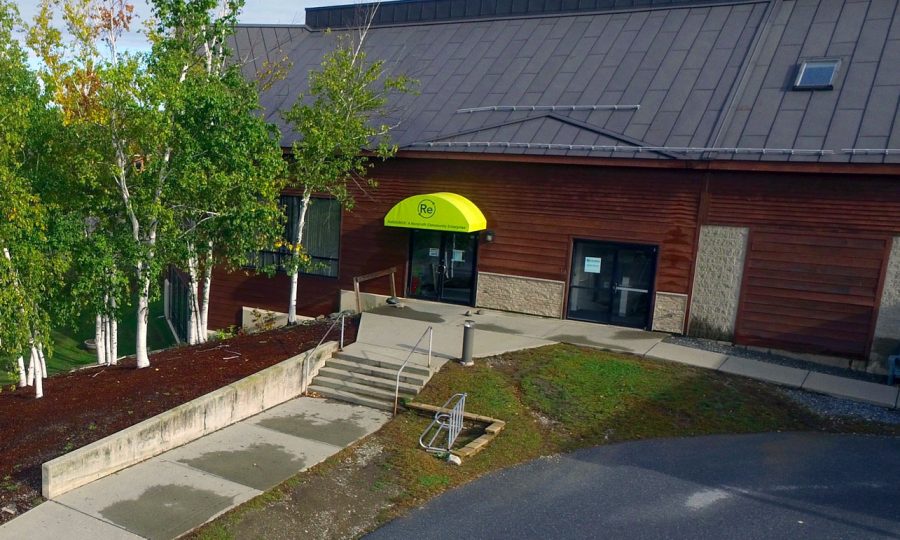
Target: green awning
x=438 y=212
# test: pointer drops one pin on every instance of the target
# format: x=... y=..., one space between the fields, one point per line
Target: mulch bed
x=84 y=406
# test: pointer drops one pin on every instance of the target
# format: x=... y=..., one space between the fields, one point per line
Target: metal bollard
x=468 y=343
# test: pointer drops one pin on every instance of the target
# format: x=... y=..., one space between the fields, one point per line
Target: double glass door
x=442 y=266
x=612 y=283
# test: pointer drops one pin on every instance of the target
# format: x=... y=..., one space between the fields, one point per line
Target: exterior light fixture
x=488 y=236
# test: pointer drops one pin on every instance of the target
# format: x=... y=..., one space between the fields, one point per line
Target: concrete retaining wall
x=887 y=328
x=520 y=294
x=717 y=281
x=668 y=312
x=183 y=424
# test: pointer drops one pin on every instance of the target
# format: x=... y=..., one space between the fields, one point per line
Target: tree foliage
x=341 y=122
x=31 y=258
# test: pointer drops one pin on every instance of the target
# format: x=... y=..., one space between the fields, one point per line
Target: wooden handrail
x=381 y=273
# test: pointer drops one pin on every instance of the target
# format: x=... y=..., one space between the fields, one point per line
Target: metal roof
x=690 y=81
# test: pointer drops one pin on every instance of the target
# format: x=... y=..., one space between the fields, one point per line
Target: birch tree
x=133 y=113
x=341 y=122
x=28 y=268
x=229 y=164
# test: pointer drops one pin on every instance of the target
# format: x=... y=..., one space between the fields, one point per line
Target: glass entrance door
x=612 y=283
x=442 y=266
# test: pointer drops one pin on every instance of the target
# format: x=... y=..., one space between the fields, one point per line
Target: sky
x=255 y=11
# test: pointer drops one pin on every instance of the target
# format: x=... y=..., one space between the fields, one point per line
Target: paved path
x=179 y=490
x=499 y=332
x=765 y=486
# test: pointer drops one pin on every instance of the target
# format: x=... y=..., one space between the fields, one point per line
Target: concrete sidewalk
x=499 y=332
x=173 y=493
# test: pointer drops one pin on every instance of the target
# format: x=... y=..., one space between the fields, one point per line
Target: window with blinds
x=321 y=236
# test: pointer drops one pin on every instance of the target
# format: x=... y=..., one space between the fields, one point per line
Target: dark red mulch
x=84 y=406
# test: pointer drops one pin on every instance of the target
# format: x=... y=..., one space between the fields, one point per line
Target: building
x=725 y=169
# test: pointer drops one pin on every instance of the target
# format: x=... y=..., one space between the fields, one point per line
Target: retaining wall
x=183 y=424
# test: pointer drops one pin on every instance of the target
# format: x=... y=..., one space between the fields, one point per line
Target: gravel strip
x=725 y=348
x=832 y=407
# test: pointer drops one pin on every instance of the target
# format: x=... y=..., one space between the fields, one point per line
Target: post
x=430 y=342
x=342 y=331
x=468 y=343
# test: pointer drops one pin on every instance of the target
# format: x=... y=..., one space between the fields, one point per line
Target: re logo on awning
x=426 y=208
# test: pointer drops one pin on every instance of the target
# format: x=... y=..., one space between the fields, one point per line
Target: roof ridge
x=413 y=12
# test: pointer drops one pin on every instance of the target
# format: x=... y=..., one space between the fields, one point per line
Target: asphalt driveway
x=768 y=486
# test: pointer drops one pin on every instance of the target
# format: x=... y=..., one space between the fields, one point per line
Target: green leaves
x=339 y=119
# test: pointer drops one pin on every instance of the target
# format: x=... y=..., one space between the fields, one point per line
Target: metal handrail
x=340 y=319
x=428 y=331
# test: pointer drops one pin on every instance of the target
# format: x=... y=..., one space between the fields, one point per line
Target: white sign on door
x=434 y=252
x=592 y=265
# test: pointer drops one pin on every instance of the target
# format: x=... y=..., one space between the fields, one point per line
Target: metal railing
x=309 y=355
x=450 y=419
x=430 y=333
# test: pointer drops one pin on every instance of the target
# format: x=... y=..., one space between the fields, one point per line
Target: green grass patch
x=601 y=397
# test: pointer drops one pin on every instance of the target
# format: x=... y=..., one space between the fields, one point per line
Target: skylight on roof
x=816 y=75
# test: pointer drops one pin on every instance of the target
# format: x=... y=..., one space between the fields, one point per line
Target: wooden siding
x=810 y=292
x=812 y=202
x=535 y=209
x=814 y=266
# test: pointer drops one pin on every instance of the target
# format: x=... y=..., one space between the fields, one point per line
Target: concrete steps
x=383 y=357
x=337 y=375
x=367 y=375
x=350 y=397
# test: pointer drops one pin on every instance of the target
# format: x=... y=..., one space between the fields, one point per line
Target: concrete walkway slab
x=503 y=332
x=686 y=355
x=251 y=455
x=158 y=499
x=54 y=521
x=323 y=420
x=879 y=394
x=764 y=371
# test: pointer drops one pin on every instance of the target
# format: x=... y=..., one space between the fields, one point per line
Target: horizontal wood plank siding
x=821 y=203
x=535 y=209
x=810 y=292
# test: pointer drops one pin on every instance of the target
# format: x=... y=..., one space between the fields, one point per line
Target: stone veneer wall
x=887 y=327
x=668 y=312
x=717 y=281
x=520 y=294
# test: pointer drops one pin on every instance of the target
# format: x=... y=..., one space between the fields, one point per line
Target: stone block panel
x=887 y=327
x=521 y=294
x=669 y=311
x=717 y=281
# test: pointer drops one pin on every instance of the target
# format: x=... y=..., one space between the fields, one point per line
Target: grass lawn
x=553 y=399
x=68 y=343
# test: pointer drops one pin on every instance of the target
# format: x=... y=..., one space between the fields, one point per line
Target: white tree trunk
x=23 y=378
x=113 y=339
x=193 y=302
x=32 y=361
x=204 y=299
x=143 y=313
x=107 y=329
x=43 y=364
x=298 y=238
x=99 y=340
x=38 y=373
x=143 y=358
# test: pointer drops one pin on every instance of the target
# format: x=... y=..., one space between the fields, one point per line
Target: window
x=816 y=74
x=321 y=235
